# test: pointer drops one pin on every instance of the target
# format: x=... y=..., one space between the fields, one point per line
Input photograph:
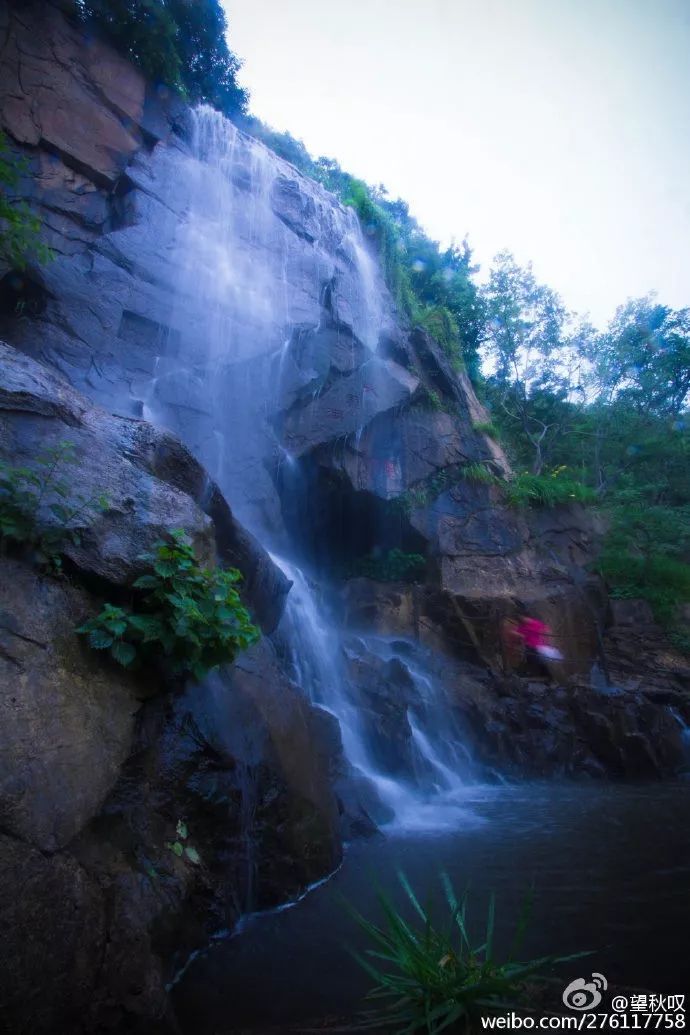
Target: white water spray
x=240 y=336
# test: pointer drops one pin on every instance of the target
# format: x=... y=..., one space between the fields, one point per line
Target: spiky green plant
x=433 y=977
x=478 y=472
x=487 y=427
x=390 y=566
x=547 y=490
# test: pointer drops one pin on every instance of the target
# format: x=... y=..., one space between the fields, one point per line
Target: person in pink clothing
x=534 y=633
x=536 y=636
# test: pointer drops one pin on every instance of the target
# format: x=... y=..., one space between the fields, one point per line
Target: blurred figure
x=538 y=649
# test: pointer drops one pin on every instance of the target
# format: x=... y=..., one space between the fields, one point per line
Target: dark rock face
x=385 y=689
x=237 y=773
x=67 y=720
x=90 y=773
x=52 y=941
x=229 y=772
x=151 y=482
x=526 y=727
x=641 y=658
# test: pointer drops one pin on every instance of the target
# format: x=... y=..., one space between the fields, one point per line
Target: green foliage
x=422 y=494
x=378 y=225
x=645 y=557
x=527 y=340
x=644 y=358
x=142 y=30
x=428 y=399
x=390 y=566
x=663 y=581
x=192 y=616
x=432 y=976
x=20 y=228
x=487 y=427
x=181 y=848
x=547 y=490
x=434 y=400
x=176 y=42
x=479 y=473
x=607 y=413
x=39 y=509
x=443 y=327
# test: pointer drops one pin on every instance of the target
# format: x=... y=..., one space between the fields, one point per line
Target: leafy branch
x=191 y=615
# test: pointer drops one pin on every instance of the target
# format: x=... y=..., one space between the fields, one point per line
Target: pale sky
x=559 y=129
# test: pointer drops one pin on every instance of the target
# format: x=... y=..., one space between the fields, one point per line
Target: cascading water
x=241 y=348
x=429 y=791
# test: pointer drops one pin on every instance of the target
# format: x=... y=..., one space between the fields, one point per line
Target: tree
x=644 y=358
x=442 y=279
x=209 y=69
x=144 y=31
x=526 y=340
x=181 y=43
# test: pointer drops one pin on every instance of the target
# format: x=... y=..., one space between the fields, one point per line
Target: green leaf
x=147 y=582
x=99 y=639
x=182 y=830
x=124 y=653
x=192 y=855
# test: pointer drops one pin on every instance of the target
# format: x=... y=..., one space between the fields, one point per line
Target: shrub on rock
x=192 y=615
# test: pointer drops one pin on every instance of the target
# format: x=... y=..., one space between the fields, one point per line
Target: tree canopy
x=181 y=43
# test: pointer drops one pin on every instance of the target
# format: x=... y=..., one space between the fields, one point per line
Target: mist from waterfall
x=240 y=354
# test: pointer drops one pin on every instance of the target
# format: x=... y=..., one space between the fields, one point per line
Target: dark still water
x=610 y=867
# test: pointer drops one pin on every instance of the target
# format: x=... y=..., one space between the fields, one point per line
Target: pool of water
x=610 y=867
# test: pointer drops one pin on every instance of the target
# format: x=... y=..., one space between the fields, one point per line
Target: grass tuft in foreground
x=432 y=977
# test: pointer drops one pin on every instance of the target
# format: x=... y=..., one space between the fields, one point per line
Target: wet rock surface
x=150 y=484
x=382 y=422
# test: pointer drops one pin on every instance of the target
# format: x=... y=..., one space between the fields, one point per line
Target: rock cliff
x=98 y=767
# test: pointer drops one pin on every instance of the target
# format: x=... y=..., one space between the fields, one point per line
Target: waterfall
x=221 y=380
x=429 y=791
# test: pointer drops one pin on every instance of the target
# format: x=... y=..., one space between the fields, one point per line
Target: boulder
x=271 y=729
x=66 y=721
x=349 y=403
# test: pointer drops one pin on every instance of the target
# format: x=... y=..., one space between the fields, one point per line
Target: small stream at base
x=611 y=872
